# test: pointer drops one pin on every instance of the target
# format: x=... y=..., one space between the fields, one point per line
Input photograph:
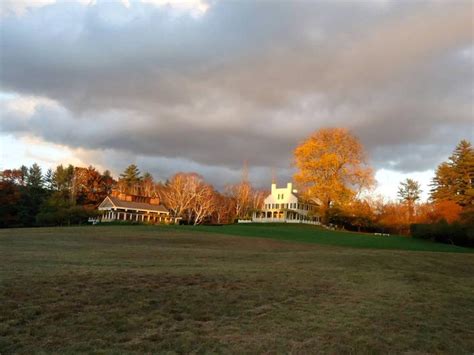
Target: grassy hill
x=118 y=289
x=319 y=235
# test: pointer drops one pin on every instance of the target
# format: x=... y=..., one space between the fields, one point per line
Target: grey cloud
x=246 y=81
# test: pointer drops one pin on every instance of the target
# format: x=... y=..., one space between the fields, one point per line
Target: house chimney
x=274 y=186
x=154 y=201
x=289 y=186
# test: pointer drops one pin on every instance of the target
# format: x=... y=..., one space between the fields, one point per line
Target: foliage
x=409 y=193
x=434 y=212
x=357 y=215
x=332 y=167
x=90 y=187
x=57 y=210
x=130 y=179
x=188 y=196
x=244 y=198
x=444 y=232
x=9 y=203
x=454 y=179
x=63 y=196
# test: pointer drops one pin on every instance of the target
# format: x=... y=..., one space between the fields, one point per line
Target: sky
x=206 y=85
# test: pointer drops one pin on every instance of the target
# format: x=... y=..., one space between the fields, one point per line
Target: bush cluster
x=443 y=232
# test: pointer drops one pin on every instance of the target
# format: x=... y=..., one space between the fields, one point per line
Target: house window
x=282 y=196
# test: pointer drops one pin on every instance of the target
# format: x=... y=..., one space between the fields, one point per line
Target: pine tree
x=35 y=177
x=463 y=167
x=24 y=174
x=130 y=180
x=454 y=179
x=49 y=180
x=32 y=196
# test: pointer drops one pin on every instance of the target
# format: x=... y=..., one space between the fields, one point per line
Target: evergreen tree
x=24 y=174
x=463 y=167
x=35 y=177
x=32 y=196
x=454 y=179
x=130 y=180
x=49 y=180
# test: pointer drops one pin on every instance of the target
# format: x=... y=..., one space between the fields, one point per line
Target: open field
x=312 y=234
x=170 y=289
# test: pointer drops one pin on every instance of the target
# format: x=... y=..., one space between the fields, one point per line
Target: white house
x=285 y=205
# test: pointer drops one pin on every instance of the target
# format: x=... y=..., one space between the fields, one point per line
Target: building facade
x=122 y=207
x=285 y=205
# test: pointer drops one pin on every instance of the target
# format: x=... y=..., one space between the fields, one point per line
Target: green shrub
x=443 y=232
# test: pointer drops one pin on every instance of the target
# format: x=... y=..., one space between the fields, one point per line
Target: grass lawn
x=319 y=235
x=121 y=289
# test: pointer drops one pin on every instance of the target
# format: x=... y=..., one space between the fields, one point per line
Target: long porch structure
x=118 y=210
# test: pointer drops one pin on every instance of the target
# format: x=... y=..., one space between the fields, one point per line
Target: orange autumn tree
x=332 y=167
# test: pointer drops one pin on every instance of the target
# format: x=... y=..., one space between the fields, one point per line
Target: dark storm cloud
x=244 y=81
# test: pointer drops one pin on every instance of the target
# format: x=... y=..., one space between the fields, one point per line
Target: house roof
x=131 y=205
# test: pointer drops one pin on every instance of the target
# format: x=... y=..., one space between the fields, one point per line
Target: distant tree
x=463 y=164
x=49 y=180
x=241 y=193
x=9 y=203
x=204 y=202
x=357 y=214
x=245 y=199
x=225 y=210
x=148 y=185
x=63 y=180
x=454 y=179
x=130 y=179
x=59 y=211
x=435 y=212
x=24 y=174
x=88 y=186
x=179 y=192
x=32 y=196
x=34 y=178
x=332 y=167
x=392 y=217
x=108 y=182
x=409 y=193
x=15 y=176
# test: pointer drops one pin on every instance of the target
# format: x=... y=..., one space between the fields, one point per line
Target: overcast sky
x=203 y=86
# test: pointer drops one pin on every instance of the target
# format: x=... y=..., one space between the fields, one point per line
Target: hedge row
x=443 y=232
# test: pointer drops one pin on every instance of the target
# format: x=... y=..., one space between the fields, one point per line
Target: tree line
x=331 y=169
x=70 y=195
